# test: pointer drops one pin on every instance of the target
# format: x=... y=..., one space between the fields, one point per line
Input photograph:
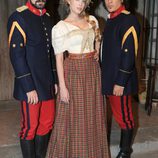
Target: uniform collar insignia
x=35 y=10
x=117 y=12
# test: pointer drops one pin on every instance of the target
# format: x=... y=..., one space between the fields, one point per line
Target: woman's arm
x=64 y=94
x=97 y=43
x=94 y=22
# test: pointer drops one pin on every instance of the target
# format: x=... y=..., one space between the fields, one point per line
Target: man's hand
x=32 y=97
x=118 y=90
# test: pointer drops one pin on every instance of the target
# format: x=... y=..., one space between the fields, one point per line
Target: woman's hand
x=96 y=56
x=64 y=95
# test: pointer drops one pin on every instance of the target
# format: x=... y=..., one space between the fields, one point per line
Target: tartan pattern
x=80 y=129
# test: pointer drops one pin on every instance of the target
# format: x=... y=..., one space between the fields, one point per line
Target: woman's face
x=77 y=6
x=113 y=5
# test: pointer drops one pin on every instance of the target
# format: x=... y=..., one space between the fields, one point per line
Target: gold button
x=126 y=50
x=21 y=45
x=14 y=45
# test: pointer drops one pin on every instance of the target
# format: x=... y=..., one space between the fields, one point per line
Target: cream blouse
x=68 y=37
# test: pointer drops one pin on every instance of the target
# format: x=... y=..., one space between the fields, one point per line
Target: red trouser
x=122 y=111
x=36 y=119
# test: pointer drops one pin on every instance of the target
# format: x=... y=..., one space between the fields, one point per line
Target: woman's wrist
x=62 y=85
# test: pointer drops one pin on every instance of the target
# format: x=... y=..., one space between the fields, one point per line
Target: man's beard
x=38 y=4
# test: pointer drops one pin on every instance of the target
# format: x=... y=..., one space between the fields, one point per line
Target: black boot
x=27 y=147
x=125 y=143
x=41 y=144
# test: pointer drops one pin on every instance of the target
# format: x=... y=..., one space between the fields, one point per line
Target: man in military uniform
x=119 y=78
x=32 y=57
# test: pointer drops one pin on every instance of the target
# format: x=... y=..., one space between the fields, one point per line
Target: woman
x=79 y=129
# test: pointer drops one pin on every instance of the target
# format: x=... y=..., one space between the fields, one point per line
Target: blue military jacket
x=119 y=50
x=31 y=53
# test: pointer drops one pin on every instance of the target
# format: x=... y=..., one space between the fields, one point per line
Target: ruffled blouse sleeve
x=92 y=18
x=95 y=24
x=59 y=38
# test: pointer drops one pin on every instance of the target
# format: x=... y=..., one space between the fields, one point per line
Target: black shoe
x=41 y=144
x=121 y=154
x=125 y=143
x=27 y=148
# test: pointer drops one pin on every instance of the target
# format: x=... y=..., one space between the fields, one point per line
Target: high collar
x=117 y=12
x=35 y=10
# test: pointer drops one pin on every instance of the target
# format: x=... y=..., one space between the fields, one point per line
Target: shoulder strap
x=22 y=8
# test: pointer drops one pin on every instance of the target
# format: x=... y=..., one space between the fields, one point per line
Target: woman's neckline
x=89 y=25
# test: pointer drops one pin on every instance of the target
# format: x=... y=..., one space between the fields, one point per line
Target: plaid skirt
x=80 y=127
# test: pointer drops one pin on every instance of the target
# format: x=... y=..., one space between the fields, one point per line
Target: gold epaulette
x=22 y=8
x=48 y=14
x=125 y=12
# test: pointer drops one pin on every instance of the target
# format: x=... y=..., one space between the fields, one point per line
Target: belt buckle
x=83 y=55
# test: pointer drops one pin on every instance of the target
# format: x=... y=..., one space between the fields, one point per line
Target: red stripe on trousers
x=36 y=119
x=122 y=111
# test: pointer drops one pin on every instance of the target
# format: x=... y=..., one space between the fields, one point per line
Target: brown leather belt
x=81 y=56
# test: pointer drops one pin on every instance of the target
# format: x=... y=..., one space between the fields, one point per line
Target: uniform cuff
x=122 y=77
x=27 y=83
